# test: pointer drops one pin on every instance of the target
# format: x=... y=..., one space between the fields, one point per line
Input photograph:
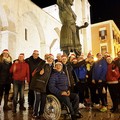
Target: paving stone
x=92 y=114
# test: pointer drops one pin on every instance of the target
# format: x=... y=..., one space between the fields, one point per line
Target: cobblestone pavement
x=92 y=114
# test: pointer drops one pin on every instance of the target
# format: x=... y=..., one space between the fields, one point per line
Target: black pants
x=93 y=94
x=71 y=101
x=113 y=89
x=118 y=93
x=4 y=88
x=102 y=96
x=81 y=89
x=39 y=103
x=31 y=97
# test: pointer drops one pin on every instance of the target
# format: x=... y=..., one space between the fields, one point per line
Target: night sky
x=101 y=10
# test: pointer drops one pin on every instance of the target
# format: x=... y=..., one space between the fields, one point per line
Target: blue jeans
x=18 y=87
x=39 y=103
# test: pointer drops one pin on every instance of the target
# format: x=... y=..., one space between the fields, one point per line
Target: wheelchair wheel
x=52 y=109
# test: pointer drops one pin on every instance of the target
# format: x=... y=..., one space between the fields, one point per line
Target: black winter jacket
x=39 y=82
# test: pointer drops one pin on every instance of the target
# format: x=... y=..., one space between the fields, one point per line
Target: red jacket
x=20 y=71
x=112 y=75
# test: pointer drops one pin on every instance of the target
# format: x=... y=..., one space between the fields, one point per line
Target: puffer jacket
x=58 y=82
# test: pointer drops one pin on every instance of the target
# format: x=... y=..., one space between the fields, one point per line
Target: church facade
x=25 y=27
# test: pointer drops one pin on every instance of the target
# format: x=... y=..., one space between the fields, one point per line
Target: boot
x=6 y=107
x=22 y=106
x=14 y=106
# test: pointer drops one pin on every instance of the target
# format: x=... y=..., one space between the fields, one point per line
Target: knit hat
x=36 y=52
x=64 y=56
x=59 y=54
x=58 y=63
x=51 y=56
x=21 y=55
x=89 y=55
x=108 y=57
x=5 y=51
x=98 y=54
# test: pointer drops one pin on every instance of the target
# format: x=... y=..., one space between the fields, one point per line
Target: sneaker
x=7 y=108
x=81 y=105
x=34 y=116
x=97 y=106
x=103 y=109
x=79 y=115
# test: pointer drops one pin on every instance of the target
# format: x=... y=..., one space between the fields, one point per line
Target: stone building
x=25 y=27
x=105 y=38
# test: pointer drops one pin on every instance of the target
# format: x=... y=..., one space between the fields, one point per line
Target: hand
x=99 y=81
x=93 y=81
x=68 y=92
x=86 y=24
x=86 y=76
x=86 y=60
x=42 y=72
x=64 y=93
x=16 y=61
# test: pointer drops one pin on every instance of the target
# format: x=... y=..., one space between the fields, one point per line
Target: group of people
x=74 y=80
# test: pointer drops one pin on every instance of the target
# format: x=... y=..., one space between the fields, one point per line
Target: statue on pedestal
x=69 y=34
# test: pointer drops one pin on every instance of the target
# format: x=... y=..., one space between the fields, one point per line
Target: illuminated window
x=102 y=34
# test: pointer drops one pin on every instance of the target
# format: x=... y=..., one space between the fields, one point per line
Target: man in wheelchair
x=59 y=86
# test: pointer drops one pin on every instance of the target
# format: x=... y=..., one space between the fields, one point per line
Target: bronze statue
x=69 y=35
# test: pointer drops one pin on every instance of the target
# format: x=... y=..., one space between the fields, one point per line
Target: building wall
x=107 y=44
x=15 y=17
x=25 y=27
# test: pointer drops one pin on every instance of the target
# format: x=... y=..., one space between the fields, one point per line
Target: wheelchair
x=54 y=109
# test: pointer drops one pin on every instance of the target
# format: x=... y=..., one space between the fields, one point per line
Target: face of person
x=71 y=59
x=90 y=59
x=5 y=55
x=21 y=58
x=64 y=60
x=59 y=57
x=75 y=62
x=58 y=67
x=50 y=60
x=35 y=56
x=109 y=60
x=99 y=56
